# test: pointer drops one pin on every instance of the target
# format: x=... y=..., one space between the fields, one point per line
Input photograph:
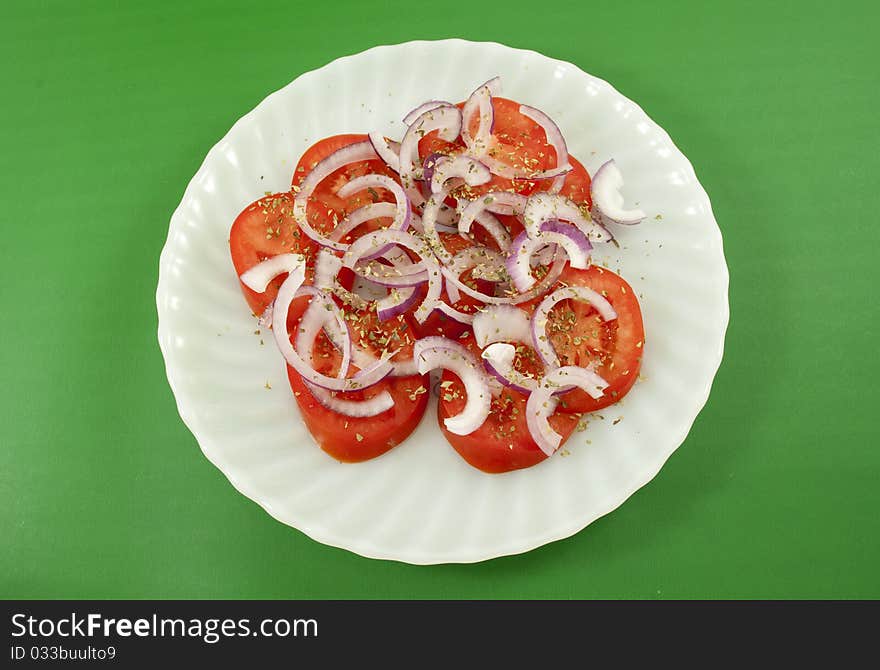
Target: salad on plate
x=454 y=260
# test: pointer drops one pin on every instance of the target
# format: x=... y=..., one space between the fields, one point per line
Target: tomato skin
x=264 y=229
x=617 y=345
x=503 y=442
x=338 y=435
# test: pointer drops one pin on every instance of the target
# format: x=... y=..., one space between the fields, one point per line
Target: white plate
x=421 y=503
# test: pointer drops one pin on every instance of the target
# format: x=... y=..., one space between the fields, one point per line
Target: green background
x=109 y=108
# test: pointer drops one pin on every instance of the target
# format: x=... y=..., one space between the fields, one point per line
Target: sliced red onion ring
x=400 y=368
x=441 y=352
x=315 y=317
x=424 y=107
x=401 y=215
x=400 y=302
x=286 y=295
x=405 y=368
x=447 y=216
x=540 y=318
x=454 y=314
x=481 y=143
x=446 y=168
x=380 y=238
x=539 y=288
x=258 y=277
x=543 y=207
x=498 y=361
x=542 y=402
x=506 y=202
x=570 y=238
x=554 y=139
x=429 y=230
x=485 y=263
x=495 y=228
x=574 y=376
x=354 y=408
x=500 y=202
x=486 y=275
x=327 y=266
x=337 y=331
x=397 y=302
x=322 y=312
x=389 y=276
x=452 y=292
x=401 y=273
x=565 y=236
x=446 y=222
x=374 y=210
x=416 y=223
x=364 y=182
x=368 y=290
x=480 y=102
x=607 y=198
x=265 y=319
x=543 y=255
x=359 y=151
x=502 y=323
x=387 y=150
x=443 y=168
x=444 y=119
x=502 y=169
x=400 y=260
x=518 y=262
x=477 y=257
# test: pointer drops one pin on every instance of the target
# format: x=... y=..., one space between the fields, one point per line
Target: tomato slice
x=520 y=143
x=355 y=439
x=264 y=229
x=503 y=442
x=351 y=439
x=320 y=150
x=580 y=336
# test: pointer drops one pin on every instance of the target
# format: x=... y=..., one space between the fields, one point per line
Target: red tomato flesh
x=580 y=336
x=264 y=229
